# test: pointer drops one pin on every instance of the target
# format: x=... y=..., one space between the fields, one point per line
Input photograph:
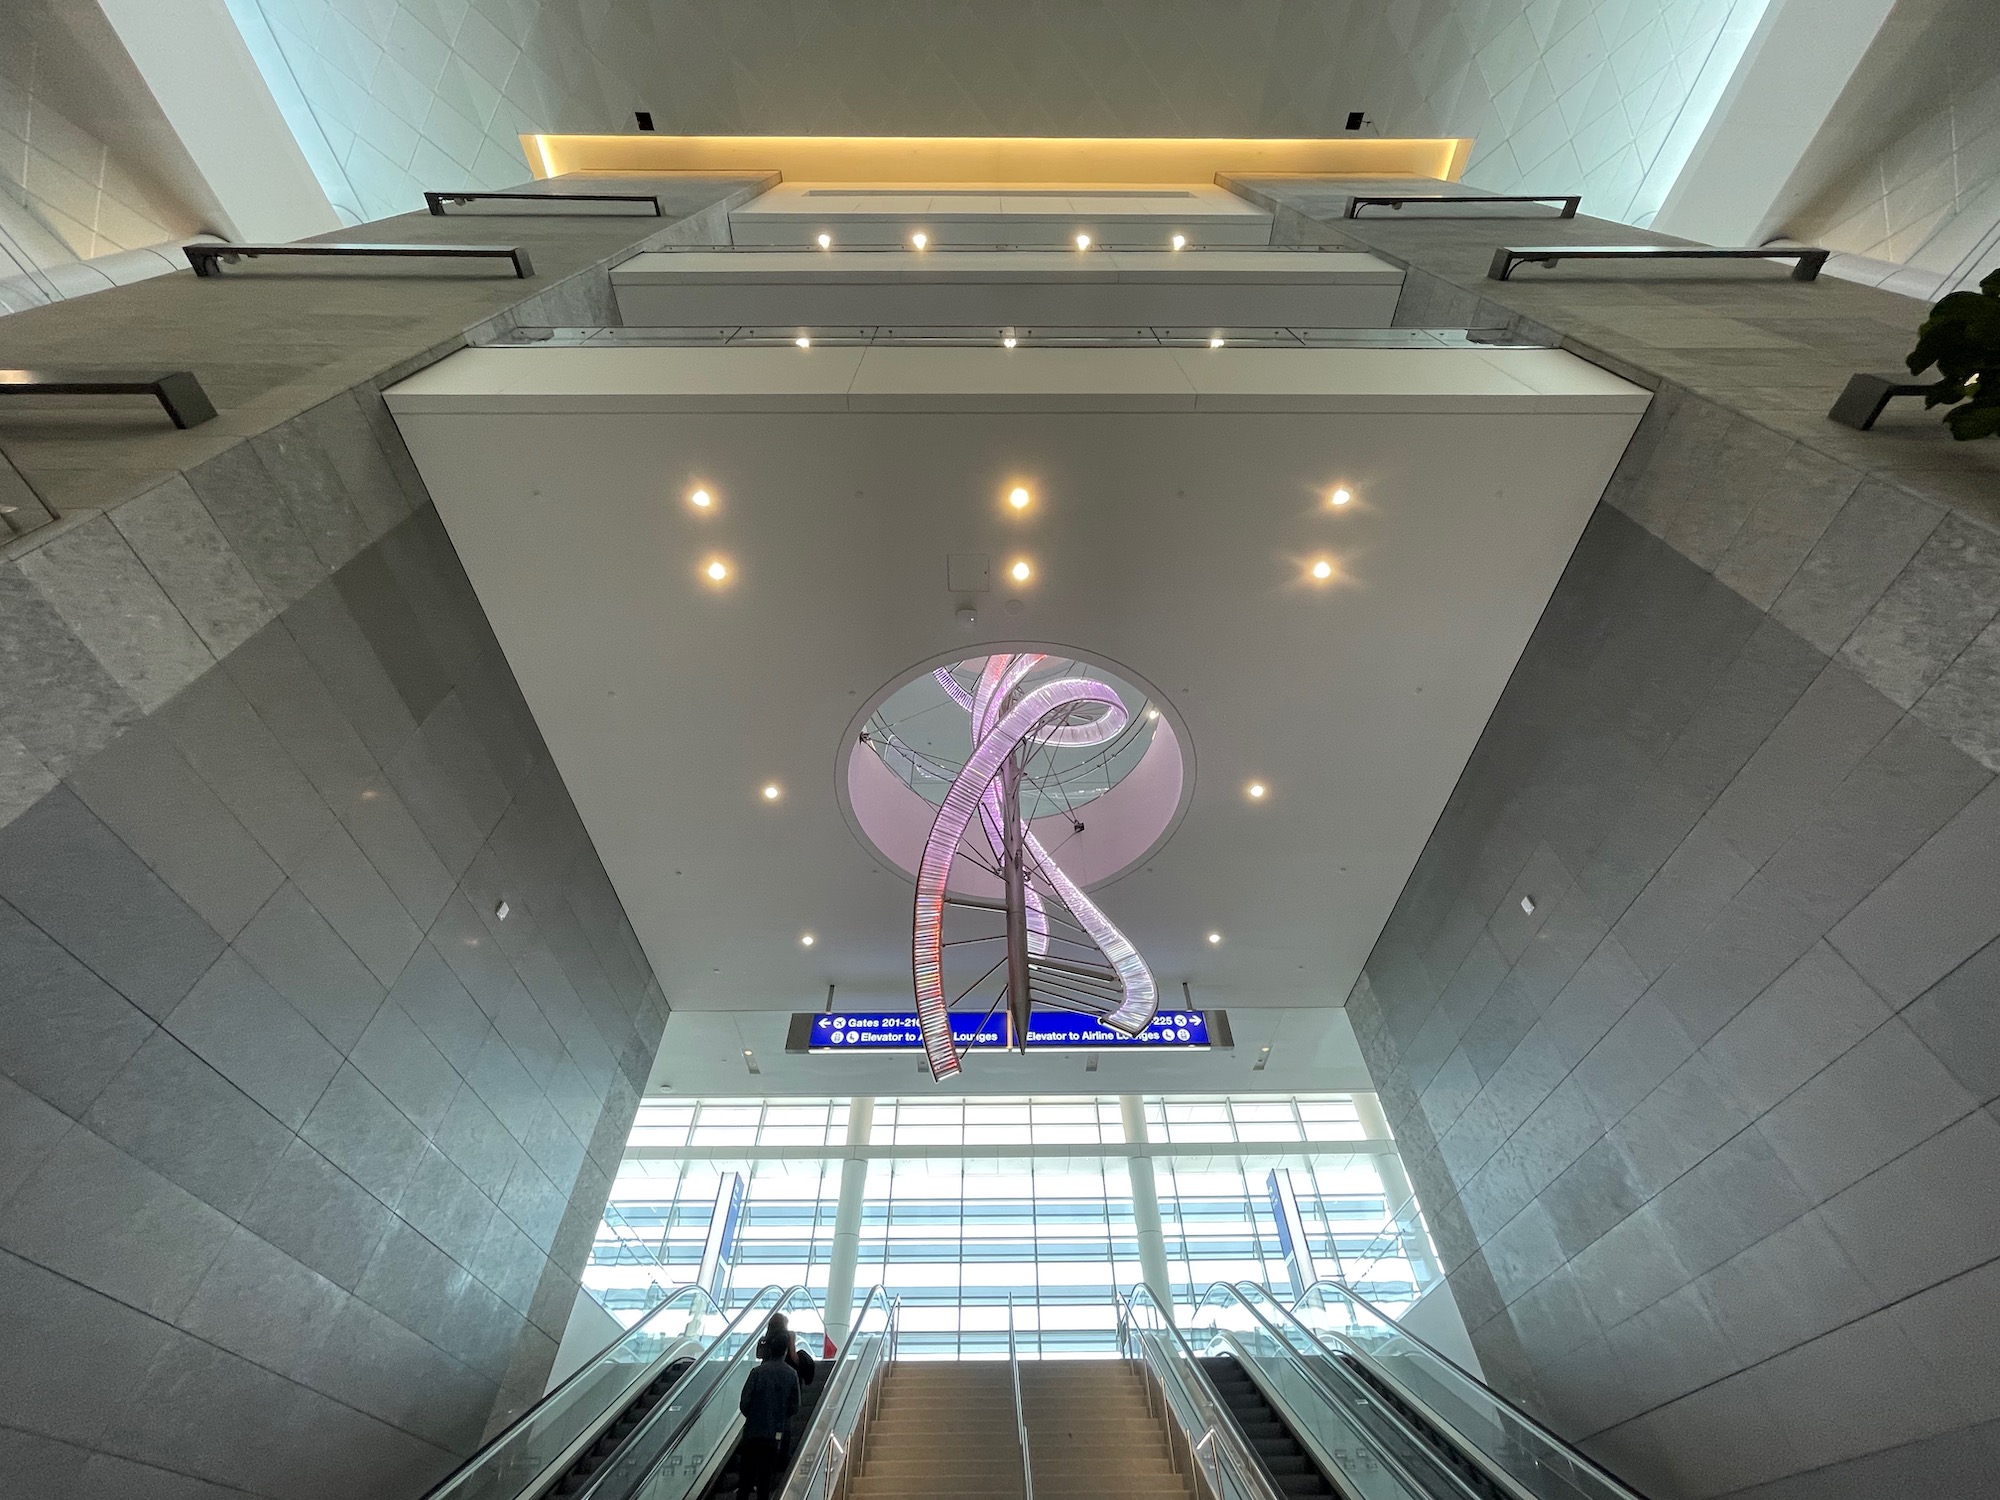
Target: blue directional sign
x=900 y=1031
x=1066 y=1030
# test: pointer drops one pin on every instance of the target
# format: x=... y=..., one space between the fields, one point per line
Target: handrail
x=841 y=1413
x=1228 y=1458
x=1453 y=1374
x=710 y=1375
x=1569 y=201
x=1020 y=1412
x=497 y=1454
x=1339 y=1400
x=1470 y=1450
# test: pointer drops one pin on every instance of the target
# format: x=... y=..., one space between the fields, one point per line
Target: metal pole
x=1146 y=1206
x=1013 y=866
x=847 y=1225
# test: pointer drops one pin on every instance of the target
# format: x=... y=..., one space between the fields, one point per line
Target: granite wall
x=1686 y=1020
x=302 y=1145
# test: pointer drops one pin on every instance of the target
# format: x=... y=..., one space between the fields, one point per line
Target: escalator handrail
x=822 y=1441
x=1569 y=1451
x=787 y=1299
x=1470 y=1450
x=694 y=1294
x=1336 y=1399
x=1223 y=1435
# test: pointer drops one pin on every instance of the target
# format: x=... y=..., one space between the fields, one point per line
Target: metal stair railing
x=1474 y=1415
x=1207 y=1437
x=1020 y=1412
x=831 y=1451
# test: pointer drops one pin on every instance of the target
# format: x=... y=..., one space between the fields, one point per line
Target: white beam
x=1792 y=72
x=195 y=62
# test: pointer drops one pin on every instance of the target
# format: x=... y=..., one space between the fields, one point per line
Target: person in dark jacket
x=770 y=1398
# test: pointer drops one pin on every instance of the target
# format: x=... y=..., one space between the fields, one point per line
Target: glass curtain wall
x=973 y=1204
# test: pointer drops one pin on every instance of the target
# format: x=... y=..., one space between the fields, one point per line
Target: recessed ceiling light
x=807 y=940
x=1007 y=342
x=803 y=342
x=1083 y=242
x=1018 y=497
x=717 y=571
x=826 y=242
x=920 y=239
x=1256 y=789
x=1021 y=572
x=1322 y=570
x=1341 y=496
x=771 y=791
x=1216 y=342
x=702 y=499
x=1179 y=242
x=1214 y=938
x=1152 y=713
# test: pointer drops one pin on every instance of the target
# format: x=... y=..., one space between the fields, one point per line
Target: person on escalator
x=770 y=1397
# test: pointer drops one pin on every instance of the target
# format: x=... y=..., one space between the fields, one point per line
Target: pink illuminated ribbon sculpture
x=1002 y=724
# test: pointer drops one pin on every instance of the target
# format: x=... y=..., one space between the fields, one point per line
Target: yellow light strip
x=997 y=159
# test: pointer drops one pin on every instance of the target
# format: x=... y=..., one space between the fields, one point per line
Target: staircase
x=944 y=1431
x=1090 y=1435
x=1282 y=1456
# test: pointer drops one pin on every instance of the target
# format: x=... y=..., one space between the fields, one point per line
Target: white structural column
x=1732 y=191
x=1399 y=1198
x=1146 y=1205
x=847 y=1224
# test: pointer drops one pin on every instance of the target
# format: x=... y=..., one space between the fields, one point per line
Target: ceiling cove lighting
x=1007 y=342
x=826 y=242
x=803 y=342
x=1179 y=242
x=919 y=240
x=1083 y=242
x=1216 y=342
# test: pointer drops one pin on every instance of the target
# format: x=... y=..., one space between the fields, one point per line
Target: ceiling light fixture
x=1007 y=342
x=1322 y=570
x=701 y=499
x=1018 y=497
x=1021 y=572
x=920 y=239
x=803 y=342
x=1179 y=242
x=771 y=791
x=1341 y=496
x=1083 y=242
x=807 y=940
x=1214 y=938
x=1256 y=790
x=717 y=571
x=826 y=242
x=1215 y=342
x=1152 y=713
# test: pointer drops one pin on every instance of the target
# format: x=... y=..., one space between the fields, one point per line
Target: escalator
x=651 y=1417
x=1282 y=1455
x=1330 y=1398
x=729 y=1478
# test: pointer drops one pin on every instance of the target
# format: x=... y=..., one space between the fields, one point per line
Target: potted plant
x=1962 y=338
